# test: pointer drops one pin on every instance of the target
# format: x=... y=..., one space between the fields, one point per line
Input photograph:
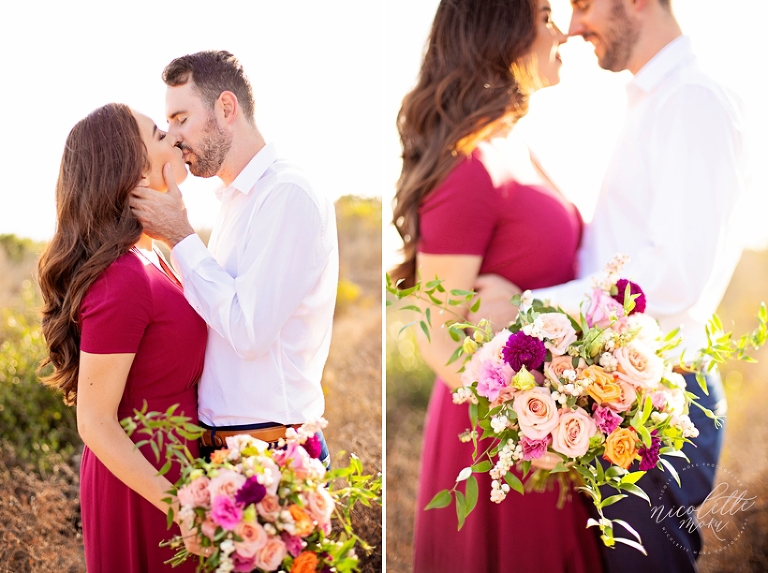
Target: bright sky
x=315 y=67
x=572 y=127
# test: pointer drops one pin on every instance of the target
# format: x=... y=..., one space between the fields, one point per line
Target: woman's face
x=544 y=57
x=161 y=149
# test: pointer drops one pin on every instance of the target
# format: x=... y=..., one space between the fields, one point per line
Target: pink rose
x=536 y=412
x=639 y=365
x=558 y=331
x=628 y=397
x=571 y=437
x=226 y=483
x=492 y=379
x=534 y=449
x=601 y=306
x=659 y=400
x=269 y=507
x=293 y=456
x=209 y=527
x=320 y=504
x=225 y=513
x=554 y=370
x=271 y=555
x=253 y=538
x=195 y=493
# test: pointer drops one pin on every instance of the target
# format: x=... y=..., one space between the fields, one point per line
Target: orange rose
x=604 y=388
x=621 y=447
x=219 y=456
x=303 y=523
x=306 y=562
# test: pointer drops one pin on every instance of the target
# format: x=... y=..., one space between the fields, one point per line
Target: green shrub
x=33 y=418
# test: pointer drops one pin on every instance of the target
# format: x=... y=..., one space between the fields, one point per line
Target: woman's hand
x=191 y=540
x=495 y=292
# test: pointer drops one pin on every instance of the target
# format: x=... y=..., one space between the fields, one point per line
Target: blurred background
x=316 y=71
x=572 y=128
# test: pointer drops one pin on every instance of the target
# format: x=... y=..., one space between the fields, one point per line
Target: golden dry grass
x=744 y=452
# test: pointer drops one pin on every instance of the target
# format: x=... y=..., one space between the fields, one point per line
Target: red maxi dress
x=529 y=235
x=133 y=307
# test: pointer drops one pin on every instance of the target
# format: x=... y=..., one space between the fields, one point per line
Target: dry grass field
x=39 y=511
x=744 y=459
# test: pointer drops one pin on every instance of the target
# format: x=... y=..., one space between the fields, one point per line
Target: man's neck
x=654 y=38
x=245 y=146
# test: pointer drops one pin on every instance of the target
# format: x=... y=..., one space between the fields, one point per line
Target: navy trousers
x=671 y=545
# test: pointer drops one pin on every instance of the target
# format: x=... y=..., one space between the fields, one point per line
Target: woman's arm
x=99 y=390
x=457 y=272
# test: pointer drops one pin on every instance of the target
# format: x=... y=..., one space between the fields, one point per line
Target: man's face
x=203 y=142
x=610 y=29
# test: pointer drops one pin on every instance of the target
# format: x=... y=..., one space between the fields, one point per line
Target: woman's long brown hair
x=470 y=85
x=103 y=161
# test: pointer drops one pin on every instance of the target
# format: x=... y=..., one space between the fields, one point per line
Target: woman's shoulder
x=124 y=279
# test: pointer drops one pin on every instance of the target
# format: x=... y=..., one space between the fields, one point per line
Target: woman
x=119 y=332
x=466 y=205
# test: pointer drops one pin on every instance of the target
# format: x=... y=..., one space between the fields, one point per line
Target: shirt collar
x=675 y=54
x=251 y=173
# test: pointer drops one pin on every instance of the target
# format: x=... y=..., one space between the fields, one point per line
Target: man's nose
x=576 y=28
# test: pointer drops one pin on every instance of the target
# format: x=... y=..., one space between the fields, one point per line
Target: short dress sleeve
x=116 y=310
x=459 y=216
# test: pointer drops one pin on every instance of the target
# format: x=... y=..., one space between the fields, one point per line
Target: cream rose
x=536 y=412
x=269 y=507
x=320 y=505
x=573 y=431
x=227 y=483
x=639 y=365
x=196 y=493
x=558 y=332
x=554 y=370
x=253 y=538
x=627 y=400
x=271 y=555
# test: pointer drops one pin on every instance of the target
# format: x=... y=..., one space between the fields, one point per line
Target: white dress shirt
x=670 y=197
x=266 y=286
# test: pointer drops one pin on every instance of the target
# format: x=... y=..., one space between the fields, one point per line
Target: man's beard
x=619 y=40
x=212 y=151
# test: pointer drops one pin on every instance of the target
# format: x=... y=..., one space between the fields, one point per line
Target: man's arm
x=284 y=256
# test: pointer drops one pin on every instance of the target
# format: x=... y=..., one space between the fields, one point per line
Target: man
x=669 y=201
x=266 y=285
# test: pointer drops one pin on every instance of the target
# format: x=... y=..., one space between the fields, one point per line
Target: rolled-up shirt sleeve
x=282 y=258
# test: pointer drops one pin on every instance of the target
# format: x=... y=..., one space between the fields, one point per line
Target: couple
x=473 y=214
x=238 y=333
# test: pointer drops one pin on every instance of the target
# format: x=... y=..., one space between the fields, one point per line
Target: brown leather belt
x=679 y=370
x=217 y=438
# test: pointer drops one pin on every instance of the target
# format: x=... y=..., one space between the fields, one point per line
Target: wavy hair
x=471 y=84
x=104 y=160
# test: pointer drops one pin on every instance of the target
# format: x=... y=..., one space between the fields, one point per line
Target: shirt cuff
x=188 y=254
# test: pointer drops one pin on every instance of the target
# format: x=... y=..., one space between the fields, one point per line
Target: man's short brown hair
x=212 y=72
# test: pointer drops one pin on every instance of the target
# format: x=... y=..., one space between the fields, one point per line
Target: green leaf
x=425 y=329
x=559 y=468
x=702 y=380
x=455 y=356
x=471 y=493
x=475 y=307
x=428 y=314
x=647 y=407
x=632 y=477
x=611 y=500
x=631 y=543
x=412 y=307
x=459 y=292
x=644 y=435
x=442 y=499
x=483 y=467
x=629 y=528
x=634 y=490
x=461 y=509
x=671 y=469
x=514 y=482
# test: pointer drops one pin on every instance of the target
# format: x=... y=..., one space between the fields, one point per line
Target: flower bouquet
x=583 y=387
x=256 y=508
